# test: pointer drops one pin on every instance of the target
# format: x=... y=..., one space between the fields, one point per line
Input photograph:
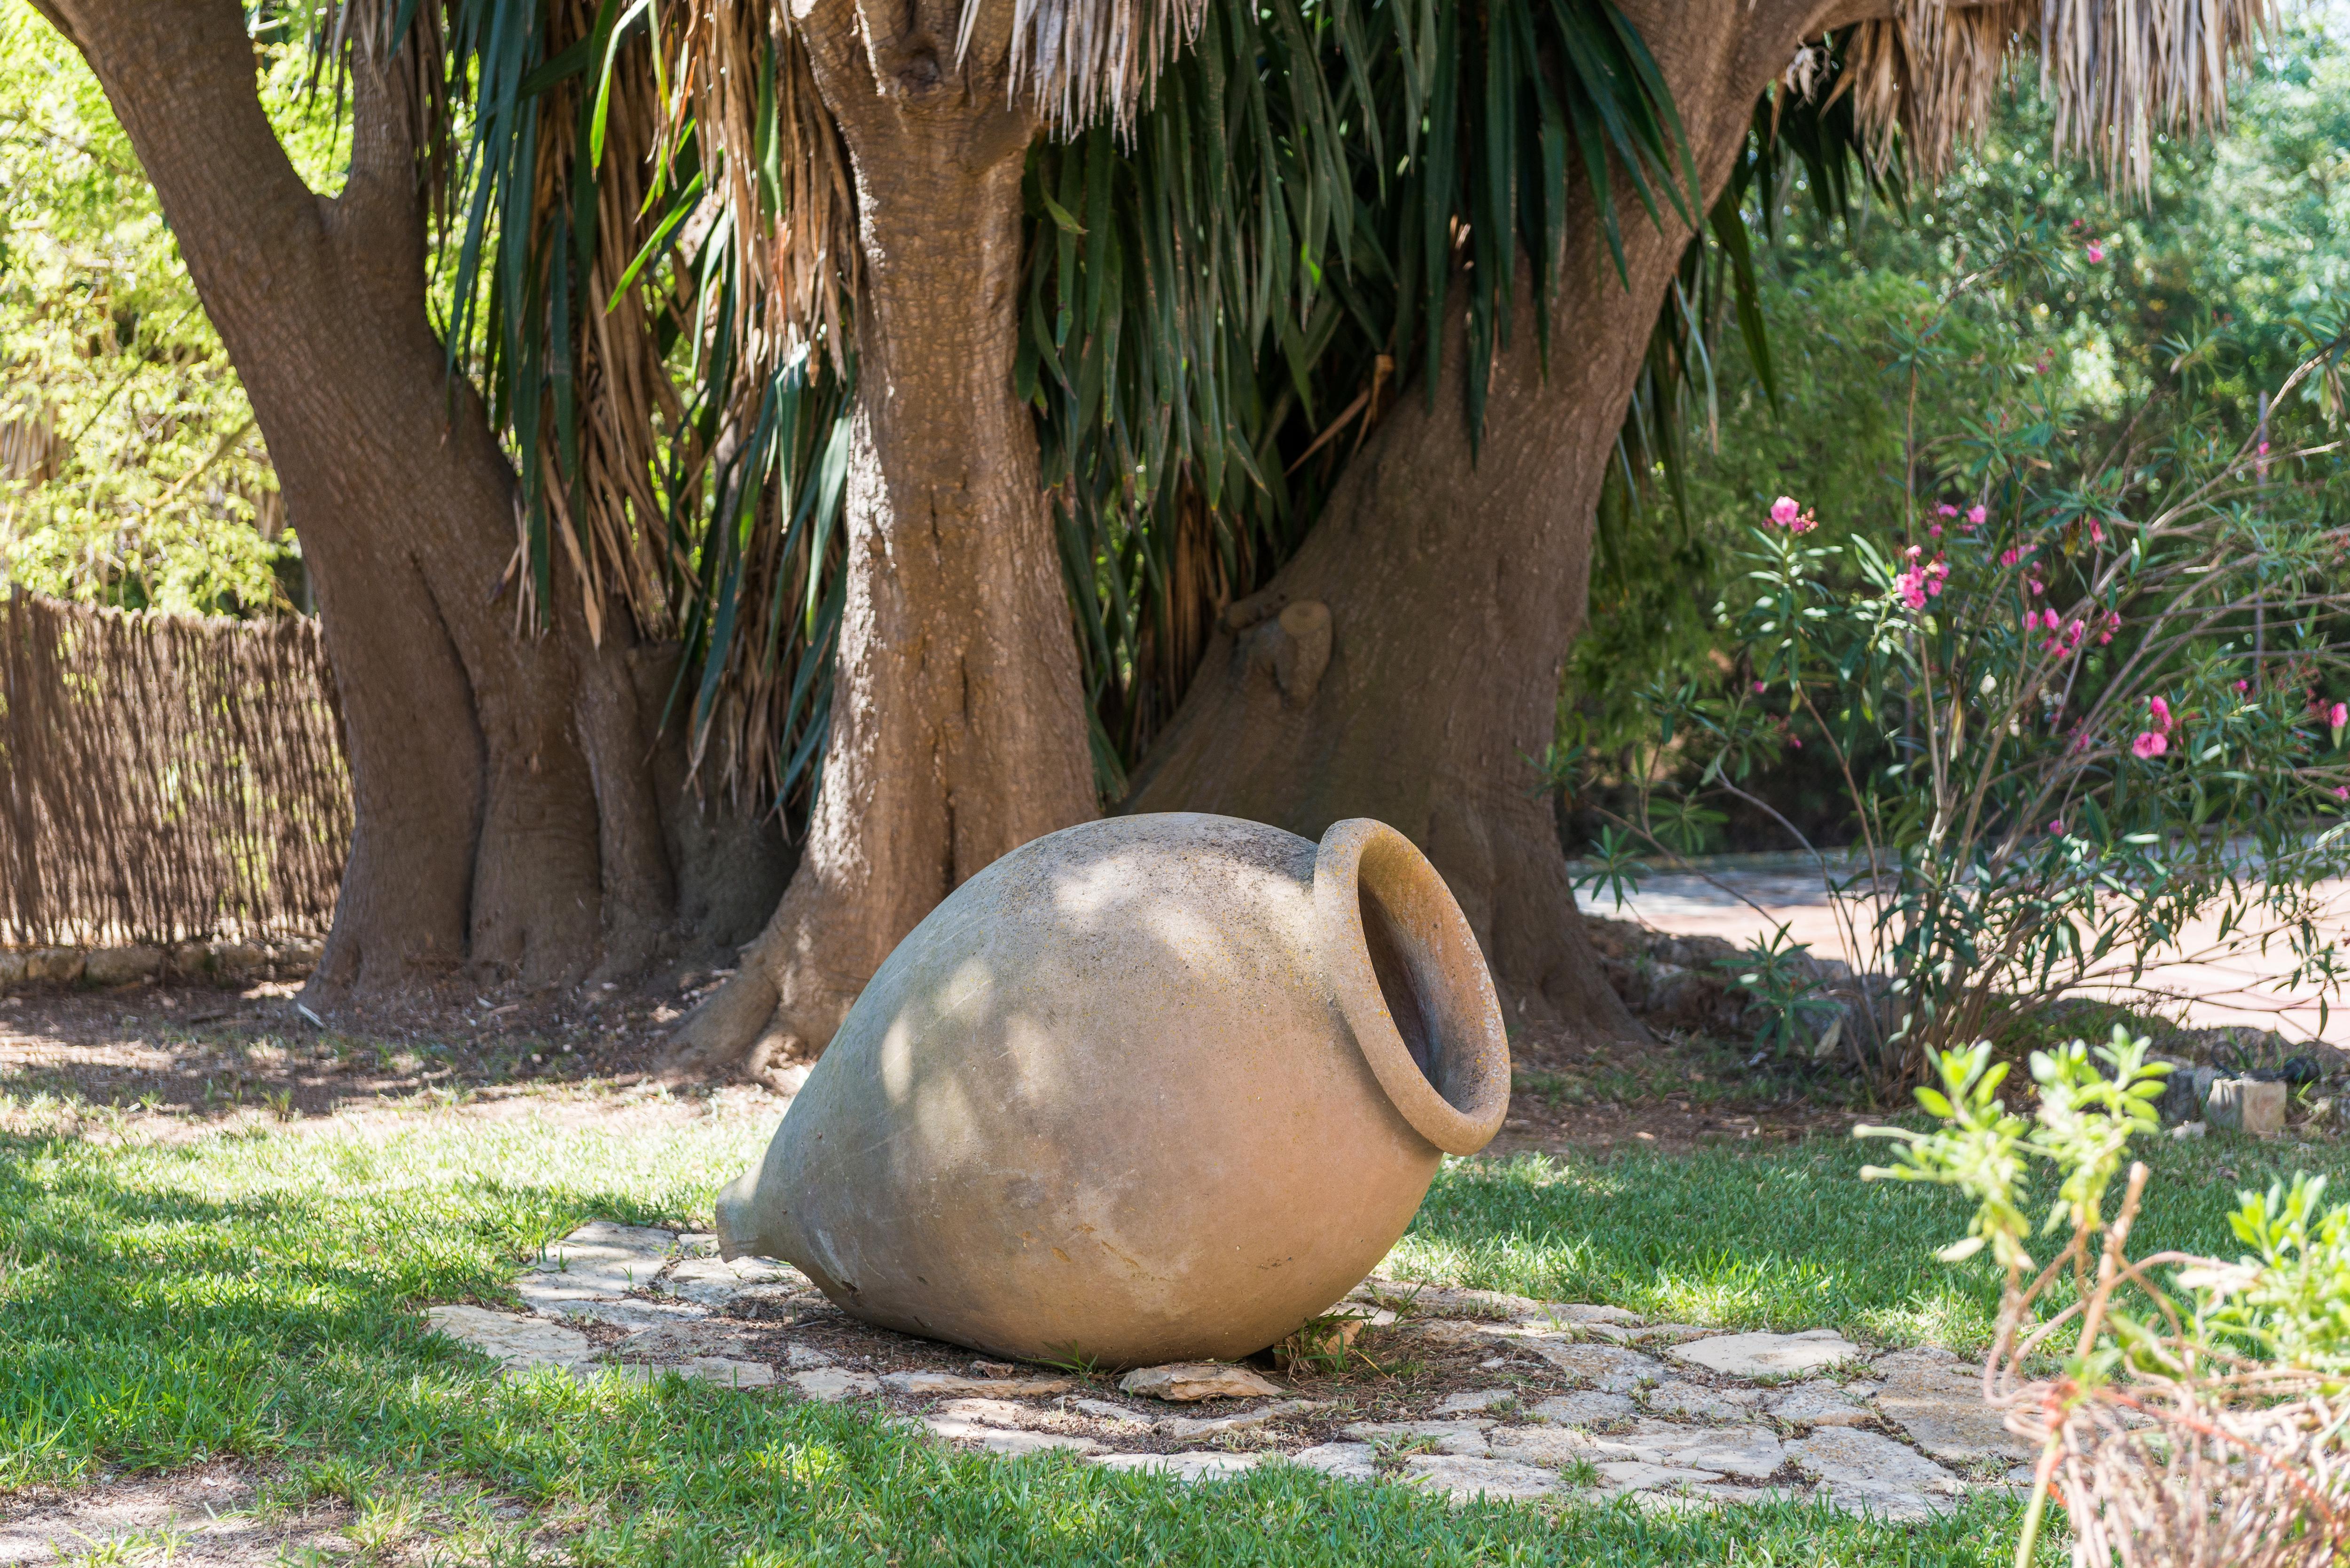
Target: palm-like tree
x=1328 y=312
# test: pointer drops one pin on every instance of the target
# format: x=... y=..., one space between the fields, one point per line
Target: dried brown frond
x=793 y=225
x=2118 y=72
x=1086 y=60
x=611 y=521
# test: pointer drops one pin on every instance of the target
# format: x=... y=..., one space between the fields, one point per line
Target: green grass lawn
x=254 y=1296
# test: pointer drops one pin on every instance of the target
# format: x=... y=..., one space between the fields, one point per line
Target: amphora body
x=1149 y=1089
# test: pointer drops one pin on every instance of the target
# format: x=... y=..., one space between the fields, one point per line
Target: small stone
x=1186 y=1381
x=716 y=1282
x=1637 y=1475
x=683 y=1342
x=989 y=1412
x=1185 y=1430
x=944 y=1384
x=512 y=1340
x=1815 y=1404
x=54 y=966
x=1768 y=1354
x=1468 y=1478
x=833 y=1384
x=1185 y=1467
x=1727 y=1451
x=806 y=1356
x=1700 y=1496
x=1103 y=1410
x=2243 y=1104
x=602 y=1258
x=1735 y=1451
x=1584 y=1410
x=1607 y=1368
x=1649 y=1334
x=121 y=966
x=622 y=1311
x=997 y=1440
x=1346 y=1461
x=1553 y=1446
x=1477 y=1399
x=1676 y=1397
x=1865 y=1472
x=1449 y=1437
x=1938 y=1403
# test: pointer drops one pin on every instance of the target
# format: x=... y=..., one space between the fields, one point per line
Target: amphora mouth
x=1408 y=978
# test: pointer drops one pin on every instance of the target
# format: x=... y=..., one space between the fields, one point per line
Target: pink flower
x=2037 y=586
x=2243 y=686
x=2149 y=744
x=1913 y=552
x=2096 y=252
x=1783 y=511
x=2340 y=715
x=2096 y=534
x=1946 y=510
x=1934 y=530
x=2161 y=711
x=2010 y=555
x=1975 y=516
x=2342 y=792
x=1758 y=686
x=2057 y=825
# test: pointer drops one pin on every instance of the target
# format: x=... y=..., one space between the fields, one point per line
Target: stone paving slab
x=1768 y=1354
x=1711 y=1420
x=1867 y=1472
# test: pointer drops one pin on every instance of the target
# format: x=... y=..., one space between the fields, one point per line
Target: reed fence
x=165 y=778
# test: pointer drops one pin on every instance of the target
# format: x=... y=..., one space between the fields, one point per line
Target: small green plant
x=1074 y=1361
x=1788 y=993
x=2196 y=1419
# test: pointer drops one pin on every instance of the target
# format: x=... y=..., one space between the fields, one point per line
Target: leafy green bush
x=2078 y=699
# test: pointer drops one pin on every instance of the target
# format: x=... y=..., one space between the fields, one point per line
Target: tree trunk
x=958 y=720
x=1405 y=665
x=509 y=819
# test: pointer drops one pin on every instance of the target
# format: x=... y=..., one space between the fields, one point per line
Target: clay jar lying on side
x=1150 y=1089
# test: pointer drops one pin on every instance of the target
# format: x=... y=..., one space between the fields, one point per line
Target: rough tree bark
x=957 y=728
x=515 y=818
x=1405 y=665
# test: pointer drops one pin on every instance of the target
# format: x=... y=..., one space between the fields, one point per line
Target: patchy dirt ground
x=200 y=1057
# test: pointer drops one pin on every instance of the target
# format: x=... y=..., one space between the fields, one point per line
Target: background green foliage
x=160 y=493
x=2225 y=280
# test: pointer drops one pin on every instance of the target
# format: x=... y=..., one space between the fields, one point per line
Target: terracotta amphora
x=1150 y=1089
